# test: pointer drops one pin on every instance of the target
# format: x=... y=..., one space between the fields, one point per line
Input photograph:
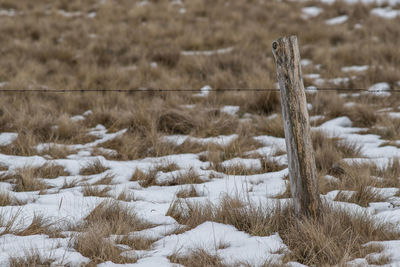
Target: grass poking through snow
x=336 y=238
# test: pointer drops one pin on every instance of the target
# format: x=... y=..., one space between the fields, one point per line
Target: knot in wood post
x=302 y=171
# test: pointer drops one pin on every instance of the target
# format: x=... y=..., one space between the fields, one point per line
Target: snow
x=204 y=91
x=352 y=2
x=207 y=52
x=7 y=138
x=232 y=110
x=241 y=246
x=394 y=115
x=380 y=89
x=387 y=13
x=337 y=20
x=152 y=203
x=355 y=68
x=305 y=62
x=222 y=140
x=7 y=13
x=311 y=12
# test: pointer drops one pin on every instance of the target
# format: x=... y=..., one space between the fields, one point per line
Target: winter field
x=195 y=178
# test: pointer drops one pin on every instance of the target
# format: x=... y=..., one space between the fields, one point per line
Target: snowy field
x=43 y=217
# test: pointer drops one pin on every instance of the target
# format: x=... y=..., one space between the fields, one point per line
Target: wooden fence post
x=302 y=170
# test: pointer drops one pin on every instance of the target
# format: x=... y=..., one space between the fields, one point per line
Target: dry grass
x=236 y=148
x=126 y=196
x=6 y=199
x=197 y=258
x=136 y=243
x=31 y=258
x=187 y=177
x=93 y=167
x=109 y=217
x=270 y=126
x=363 y=115
x=118 y=218
x=330 y=151
x=92 y=244
x=149 y=178
x=3 y=167
x=362 y=196
x=106 y=180
x=50 y=170
x=267 y=165
x=25 y=179
x=40 y=225
x=187 y=192
x=387 y=128
x=69 y=184
x=95 y=191
x=336 y=238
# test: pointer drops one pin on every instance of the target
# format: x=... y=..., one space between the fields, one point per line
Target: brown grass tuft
x=363 y=115
x=136 y=242
x=119 y=218
x=7 y=200
x=31 y=258
x=187 y=177
x=93 y=167
x=106 y=180
x=330 y=151
x=26 y=180
x=40 y=225
x=336 y=238
x=50 y=170
x=95 y=191
x=197 y=258
x=109 y=217
x=187 y=192
x=92 y=244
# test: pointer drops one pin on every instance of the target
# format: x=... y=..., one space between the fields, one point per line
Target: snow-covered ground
x=69 y=204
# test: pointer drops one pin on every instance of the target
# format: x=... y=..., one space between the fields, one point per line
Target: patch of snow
x=7 y=138
x=312 y=76
x=337 y=20
x=317 y=117
x=77 y=118
x=142 y=3
x=207 y=52
x=394 y=115
x=92 y=15
x=69 y=14
x=254 y=250
x=230 y=109
x=387 y=12
x=222 y=140
x=311 y=12
x=305 y=62
x=204 y=91
x=87 y=113
x=355 y=68
x=7 y=13
x=311 y=89
x=339 y=81
x=380 y=89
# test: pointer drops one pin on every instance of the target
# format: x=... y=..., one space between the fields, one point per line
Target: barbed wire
x=144 y=90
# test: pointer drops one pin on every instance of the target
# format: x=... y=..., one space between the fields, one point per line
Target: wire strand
x=308 y=89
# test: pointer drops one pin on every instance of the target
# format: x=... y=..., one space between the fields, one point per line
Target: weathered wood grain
x=302 y=170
